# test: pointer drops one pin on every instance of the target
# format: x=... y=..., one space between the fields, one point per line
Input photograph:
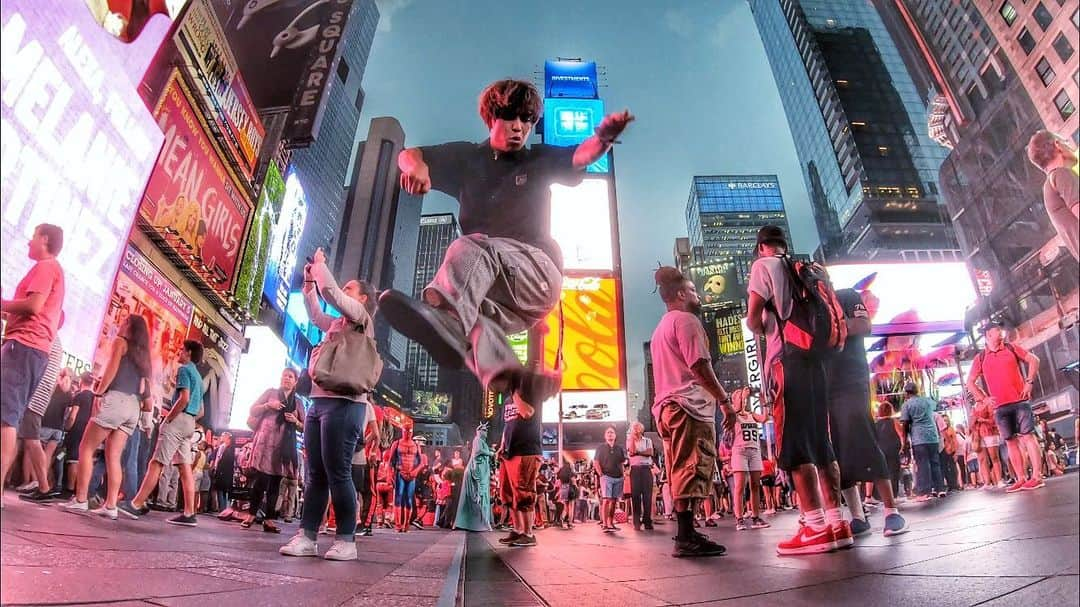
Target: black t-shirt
x=849 y=367
x=611 y=459
x=520 y=436
x=54 y=414
x=85 y=402
x=566 y=473
x=503 y=194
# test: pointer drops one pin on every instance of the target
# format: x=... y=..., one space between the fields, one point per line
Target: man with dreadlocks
x=504 y=274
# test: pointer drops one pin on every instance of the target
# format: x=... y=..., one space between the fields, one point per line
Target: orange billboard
x=592 y=340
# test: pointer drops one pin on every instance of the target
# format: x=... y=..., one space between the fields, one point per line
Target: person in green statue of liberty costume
x=474 y=508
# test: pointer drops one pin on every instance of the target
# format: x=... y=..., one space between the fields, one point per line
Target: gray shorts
x=118 y=411
x=174 y=441
x=51 y=435
x=30 y=426
x=611 y=488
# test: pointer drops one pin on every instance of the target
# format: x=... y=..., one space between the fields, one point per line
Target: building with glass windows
x=858 y=123
x=436 y=234
x=724 y=214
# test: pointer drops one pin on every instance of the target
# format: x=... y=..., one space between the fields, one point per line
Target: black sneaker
x=524 y=541
x=160 y=508
x=418 y=525
x=366 y=532
x=183 y=520
x=512 y=537
x=698 y=547
x=437 y=331
x=130 y=511
x=39 y=497
x=648 y=527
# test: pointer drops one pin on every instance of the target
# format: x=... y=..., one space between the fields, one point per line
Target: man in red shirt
x=33 y=318
x=1008 y=395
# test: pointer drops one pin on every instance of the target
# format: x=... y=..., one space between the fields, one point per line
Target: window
x=1008 y=13
x=1045 y=72
x=1042 y=16
x=1064 y=105
x=1076 y=18
x=1026 y=40
x=1063 y=47
x=343 y=70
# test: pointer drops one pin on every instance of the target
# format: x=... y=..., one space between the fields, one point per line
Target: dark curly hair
x=510 y=97
x=669 y=281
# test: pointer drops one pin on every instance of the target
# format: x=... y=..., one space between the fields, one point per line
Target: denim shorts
x=611 y=488
x=22 y=368
x=1014 y=418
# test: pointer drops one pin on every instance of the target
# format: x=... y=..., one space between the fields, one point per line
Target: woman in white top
x=746 y=460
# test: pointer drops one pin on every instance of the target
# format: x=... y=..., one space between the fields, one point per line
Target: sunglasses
x=509 y=115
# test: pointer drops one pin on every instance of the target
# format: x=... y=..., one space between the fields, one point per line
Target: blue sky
x=694 y=73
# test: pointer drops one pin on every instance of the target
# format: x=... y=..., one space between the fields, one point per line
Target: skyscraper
x=323 y=166
x=436 y=234
x=857 y=121
x=724 y=213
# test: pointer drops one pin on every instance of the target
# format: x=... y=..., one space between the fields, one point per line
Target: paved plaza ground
x=974 y=548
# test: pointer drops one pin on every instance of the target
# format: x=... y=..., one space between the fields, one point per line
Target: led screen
x=568 y=122
x=604 y=406
x=581 y=225
x=592 y=340
x=285 y=243
x=78 y=144
x=430 y=406
x=910 y=297
x=570 y=79
x=260 y=368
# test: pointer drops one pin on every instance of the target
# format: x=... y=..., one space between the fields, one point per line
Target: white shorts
x=746 y=459
x=993 y=440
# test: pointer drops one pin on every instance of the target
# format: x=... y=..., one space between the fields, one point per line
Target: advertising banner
x=729 y=334
x=142 y=290
x=568 y=122
x=201 y=41
x=285 y=244
x=192 y=194
x=574 y=79
x=430 y=406
x=608 y=406
x=581 y=225
x=221 y=360
x=716 y=283
x=78 y=145
x=592 y=340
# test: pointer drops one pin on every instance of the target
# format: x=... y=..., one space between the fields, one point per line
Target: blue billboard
x=568 y=122
x=570 y=79
x=285 y=244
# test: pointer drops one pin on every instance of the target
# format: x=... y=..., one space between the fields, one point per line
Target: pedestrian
x=504 y=274
x=1008 y=397
x=567 y=495
x=1061 y=190
x=746 y=462
x=770 y=485
x=474 y=510
x=853 y=431
x=75 y=422
x=640 y=450
x=798 y=394
x=405 y=459
x=35 y=463
x=275 y=418
x=52 y=423
x=125 y=404
x=949 y=447
x=920 y=428
x=986 y=440
x=889 y=439
x=364 y=467
x=608 y=463
x=335 y=420
x=33 y=318
x=222 y=471
x=687 y=395
x=519 y=469
x=173 y=448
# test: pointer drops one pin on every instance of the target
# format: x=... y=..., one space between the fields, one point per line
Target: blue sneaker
x=895 y=525
x=859 y=527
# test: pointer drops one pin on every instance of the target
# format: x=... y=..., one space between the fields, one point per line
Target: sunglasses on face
x=509 y=115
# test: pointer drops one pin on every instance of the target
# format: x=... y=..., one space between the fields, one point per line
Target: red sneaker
x=1017 y=486
x=808 y=541
x=1034 y=483
x=842 y=533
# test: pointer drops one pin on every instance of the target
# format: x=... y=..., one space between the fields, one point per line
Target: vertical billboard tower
x=585 y=334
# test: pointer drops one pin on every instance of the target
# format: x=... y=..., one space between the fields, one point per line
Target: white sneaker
x=341 y=551
x=74 y=505
x=27 y=487
x=300 y=545
x=109 y=513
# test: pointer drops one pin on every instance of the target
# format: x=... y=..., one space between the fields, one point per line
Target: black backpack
x=816 y=323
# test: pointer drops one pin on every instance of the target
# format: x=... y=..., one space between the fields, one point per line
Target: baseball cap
x=773 y=235
x=911 y=388
x=991 y=324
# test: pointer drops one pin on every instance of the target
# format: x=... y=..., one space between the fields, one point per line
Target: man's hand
x=613 y=125
x=416 y=181
x=319 y=256
x=1026 y=392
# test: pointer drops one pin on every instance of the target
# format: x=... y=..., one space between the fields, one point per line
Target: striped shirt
x=39 y=401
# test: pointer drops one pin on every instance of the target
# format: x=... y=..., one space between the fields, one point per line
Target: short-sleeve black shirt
x=520 y=436
x=848 y=368
x=503 y=194
x=54 y=414
x=611 y=459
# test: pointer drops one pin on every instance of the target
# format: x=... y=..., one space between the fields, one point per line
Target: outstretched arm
x=594 y=148
x=415 y=174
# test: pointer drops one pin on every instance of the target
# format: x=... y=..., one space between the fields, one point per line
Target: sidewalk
x=50 y=557
x=976 y=547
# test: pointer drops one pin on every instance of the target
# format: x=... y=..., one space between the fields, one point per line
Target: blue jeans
x=330 y=433
x=929 y=478
x=129 y=460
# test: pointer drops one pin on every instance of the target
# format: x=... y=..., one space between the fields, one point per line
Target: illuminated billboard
x=716 y=283
x=429 y=406
x=729 y=334
x=519 y=343
x=285 y=243
x=581 y=225
x=573 y=79
x=596 y=406
x=910 y=297
x=592 y=335
x=260 y=367
x=78 y=144
x=568 y=122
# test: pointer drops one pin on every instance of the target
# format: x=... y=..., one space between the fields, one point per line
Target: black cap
x=772 y=235
x=997 y=322
x=911 y=388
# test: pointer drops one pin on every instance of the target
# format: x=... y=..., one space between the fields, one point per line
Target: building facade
x=436 y=234
x=857 y=120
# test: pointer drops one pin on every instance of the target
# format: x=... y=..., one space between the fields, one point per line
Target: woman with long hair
x=123 y=390
x=277 y=416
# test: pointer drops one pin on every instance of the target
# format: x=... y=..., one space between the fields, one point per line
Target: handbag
x=347 y=362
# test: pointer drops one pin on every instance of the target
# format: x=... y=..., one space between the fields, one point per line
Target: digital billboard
x=581 y=225
x=573 y=79
x=592 y=339
x=717 y=284
x=519 y=343
x=221 y=360
x=568 y=122
x=429 y=406
x=193 y=195
x=285 y=243
x=259 y=369
x=77 y=147
x=897 y=298
x=592 y=406
x=729 y=336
